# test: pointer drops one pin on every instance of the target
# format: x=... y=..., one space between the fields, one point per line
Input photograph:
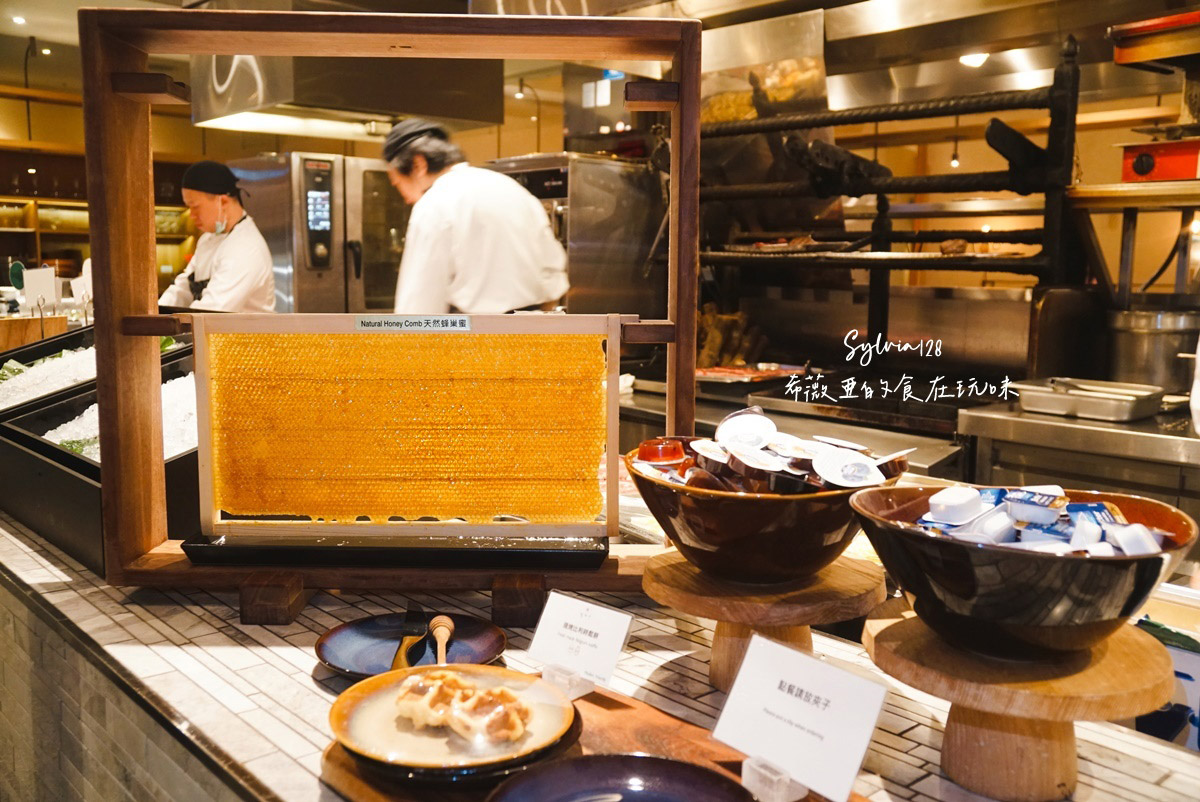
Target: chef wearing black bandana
x=231 y=269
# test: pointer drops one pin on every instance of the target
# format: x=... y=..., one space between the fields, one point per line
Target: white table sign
x=812 y=719
x=584 y=637
x=41 y=282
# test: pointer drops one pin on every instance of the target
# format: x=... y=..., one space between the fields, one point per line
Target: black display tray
x=79 y=338
x=402 y=551
x=56 y=492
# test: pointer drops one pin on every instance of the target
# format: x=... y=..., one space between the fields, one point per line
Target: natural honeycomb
x=338 y=426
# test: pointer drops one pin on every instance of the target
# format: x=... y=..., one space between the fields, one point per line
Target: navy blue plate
x=365 y=647
x=620 y=778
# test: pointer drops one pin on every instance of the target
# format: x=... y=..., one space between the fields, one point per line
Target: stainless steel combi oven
x=335 y=227
x=606 y=213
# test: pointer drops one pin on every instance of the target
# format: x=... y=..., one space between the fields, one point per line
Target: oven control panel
x=318 y=212
x=543 y=184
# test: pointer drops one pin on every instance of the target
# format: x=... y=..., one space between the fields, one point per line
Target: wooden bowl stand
x=846 y=589
x=1010 y=733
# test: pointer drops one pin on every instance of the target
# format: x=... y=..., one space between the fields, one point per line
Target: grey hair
x=439 y=154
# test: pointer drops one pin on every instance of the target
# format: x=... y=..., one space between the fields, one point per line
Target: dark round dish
x=364 y=647
x=620 y=778
x=1014 y=604
x=754 y=538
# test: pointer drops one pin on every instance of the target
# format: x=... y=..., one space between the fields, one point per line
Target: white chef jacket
x=237 y=266
x=479 y=242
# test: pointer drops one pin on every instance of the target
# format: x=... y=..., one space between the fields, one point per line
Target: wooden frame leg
x=1007 y=758
x=730 y=642
x=272 y=597
x=518 y=599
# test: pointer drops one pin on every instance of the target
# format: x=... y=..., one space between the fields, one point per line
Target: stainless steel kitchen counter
x=1167 y=438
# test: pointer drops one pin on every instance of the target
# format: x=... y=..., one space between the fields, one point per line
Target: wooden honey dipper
x=441 y=627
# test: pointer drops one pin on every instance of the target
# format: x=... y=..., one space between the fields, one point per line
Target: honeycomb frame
x=227 y=444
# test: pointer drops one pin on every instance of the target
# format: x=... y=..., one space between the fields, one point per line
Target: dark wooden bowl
x=1010 y=603
x=756 y=538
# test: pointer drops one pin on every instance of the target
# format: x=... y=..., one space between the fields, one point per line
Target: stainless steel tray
x=1088 y=398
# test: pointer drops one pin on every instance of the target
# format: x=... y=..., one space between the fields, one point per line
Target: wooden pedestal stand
x=844 y=590
x=1010 y=734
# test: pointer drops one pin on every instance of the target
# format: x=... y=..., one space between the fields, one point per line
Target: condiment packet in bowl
x=1036 y=508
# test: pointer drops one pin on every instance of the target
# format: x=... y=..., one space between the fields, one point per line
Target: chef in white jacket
x=477 y=242
x=231 y=269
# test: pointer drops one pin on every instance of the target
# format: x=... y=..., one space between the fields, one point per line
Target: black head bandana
x=211 y=177
x=407 y=131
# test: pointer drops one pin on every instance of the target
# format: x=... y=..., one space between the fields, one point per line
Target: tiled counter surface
x=257 y=696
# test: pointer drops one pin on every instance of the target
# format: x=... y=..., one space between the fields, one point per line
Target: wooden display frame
x=117 y=132
x=212 y=526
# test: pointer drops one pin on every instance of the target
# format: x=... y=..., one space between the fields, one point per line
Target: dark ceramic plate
x=365 y=647
x=620 y=778
x=1015 y=604
x=475 y=776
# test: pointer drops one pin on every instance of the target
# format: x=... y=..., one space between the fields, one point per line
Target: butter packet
x=992 y=495
x=1047 y=546
x=989 y=498
x=1036 y=508
x=993 y=527
x=1134 y=539
x=1100 y=512
x=1058 y=530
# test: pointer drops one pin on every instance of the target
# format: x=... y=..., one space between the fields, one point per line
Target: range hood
x=351 y=98
x=899 y=51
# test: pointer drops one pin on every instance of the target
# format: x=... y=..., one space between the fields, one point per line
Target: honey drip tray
x=402 y=551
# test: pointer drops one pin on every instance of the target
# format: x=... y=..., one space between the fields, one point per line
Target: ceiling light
x=533 y=118
x=973 y=59
x=19 y=20
x=604 y=129
x=954 y=155
x=45 y=51
x=1031 y=79
x=985 y=228
x=291 y=125
x=518 y=94
x=1196 y=226
x=31 y=170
